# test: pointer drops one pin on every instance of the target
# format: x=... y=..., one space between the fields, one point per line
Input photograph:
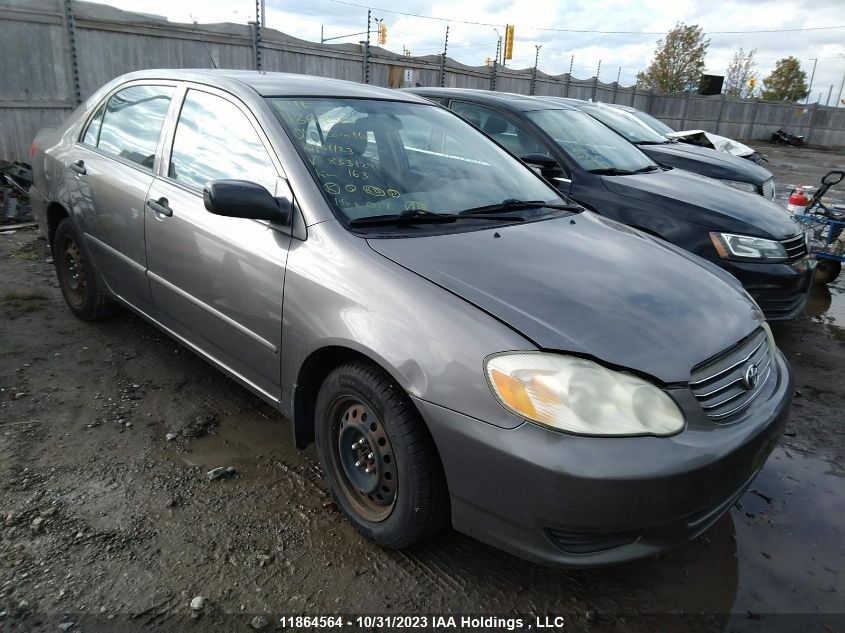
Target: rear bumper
x=38 y=204
x=573 y=501
x=781 y=290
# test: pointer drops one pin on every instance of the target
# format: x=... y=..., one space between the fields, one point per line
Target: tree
x=742 y=76
x=678 y=60
x=787 y=81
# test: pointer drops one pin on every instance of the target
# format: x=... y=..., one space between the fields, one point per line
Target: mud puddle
x=827 y=306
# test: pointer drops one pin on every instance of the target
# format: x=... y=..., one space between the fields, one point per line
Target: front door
x=216 y=281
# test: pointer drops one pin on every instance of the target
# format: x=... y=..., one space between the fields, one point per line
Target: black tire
x=81 y=288
x=404 y=499
x=827 y=271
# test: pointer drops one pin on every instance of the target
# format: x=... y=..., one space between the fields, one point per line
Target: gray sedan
x=463 y=344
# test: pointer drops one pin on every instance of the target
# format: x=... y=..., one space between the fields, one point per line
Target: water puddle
x=790 y=550
x=827 y=307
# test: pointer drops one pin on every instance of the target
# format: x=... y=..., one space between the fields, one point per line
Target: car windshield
x=630 y=128
x=381 y=158
x=589 y=143
x=655 y=124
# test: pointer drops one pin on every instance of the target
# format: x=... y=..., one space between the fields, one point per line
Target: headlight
x=579 y=396
x=746 y=247
x=742 y=186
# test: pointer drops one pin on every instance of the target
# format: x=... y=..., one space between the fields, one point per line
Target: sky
x=643 y=20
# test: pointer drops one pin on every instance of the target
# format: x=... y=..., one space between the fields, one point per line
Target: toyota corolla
x=464 y=345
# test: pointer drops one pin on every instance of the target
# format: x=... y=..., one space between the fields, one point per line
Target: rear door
x=112 y=167
x=216 y=281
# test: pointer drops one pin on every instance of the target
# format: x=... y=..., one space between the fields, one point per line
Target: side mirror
x=543 y=164
x=245 y=199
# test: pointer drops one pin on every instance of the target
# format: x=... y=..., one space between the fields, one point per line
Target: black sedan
x=751 y=237
x=731 y=170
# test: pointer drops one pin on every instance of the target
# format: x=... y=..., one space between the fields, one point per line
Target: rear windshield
x=375 y=157
x=589 y=143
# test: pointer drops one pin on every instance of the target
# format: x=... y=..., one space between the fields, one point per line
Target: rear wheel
x=827 y=271
x=378 y=458
x=82 y=290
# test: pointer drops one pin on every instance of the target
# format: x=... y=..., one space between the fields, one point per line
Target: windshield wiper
x=646 y=169
x=425 y=217
x=611 y=171
x=615 y=171
x=405 y=217
x=512 y=204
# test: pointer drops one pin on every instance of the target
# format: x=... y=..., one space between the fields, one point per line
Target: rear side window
x=214 y=140
x=92 y=134
x=132 y=123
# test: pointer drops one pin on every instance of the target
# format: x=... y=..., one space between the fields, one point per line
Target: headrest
x=495 y=124
x=351 y=135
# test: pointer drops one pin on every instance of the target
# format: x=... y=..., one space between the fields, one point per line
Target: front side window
x=132 y=123
x=589 y=143
x=655 y=124
x=375 y=157
x=516 y=138
x=214 y=140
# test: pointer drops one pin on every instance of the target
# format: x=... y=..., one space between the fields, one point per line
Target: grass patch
x=27 y=255
x=25 y=296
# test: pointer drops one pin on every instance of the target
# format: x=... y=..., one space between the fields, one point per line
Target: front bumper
x=572 y=501
x=781 y=290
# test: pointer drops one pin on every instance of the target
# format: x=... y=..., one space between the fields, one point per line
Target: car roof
x=272 y=84
x=507 y=100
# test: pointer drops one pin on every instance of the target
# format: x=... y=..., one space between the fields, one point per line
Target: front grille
x=796 y=247
x=769 y=189
x=722 y=384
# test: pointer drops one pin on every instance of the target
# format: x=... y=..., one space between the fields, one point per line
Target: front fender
x=340 y=293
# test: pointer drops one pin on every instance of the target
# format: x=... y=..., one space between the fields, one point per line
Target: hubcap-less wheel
x=364 y=459
x=73 y=273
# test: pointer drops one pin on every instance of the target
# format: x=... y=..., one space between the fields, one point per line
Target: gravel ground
x=109 y=522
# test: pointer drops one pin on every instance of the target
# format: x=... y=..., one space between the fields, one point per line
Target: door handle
x=79 y=167
x=160 y=206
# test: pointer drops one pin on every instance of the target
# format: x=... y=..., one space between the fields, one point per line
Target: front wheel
x=827 y=271
x=378 y=459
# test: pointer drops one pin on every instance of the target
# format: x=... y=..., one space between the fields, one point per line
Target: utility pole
x=537 y=48
x=829 y=92
x=443 y=59
x=812 y=75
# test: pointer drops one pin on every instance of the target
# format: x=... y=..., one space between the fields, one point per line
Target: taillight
x=32 y=148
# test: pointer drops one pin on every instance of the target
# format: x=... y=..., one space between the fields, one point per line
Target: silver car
x=463 y=345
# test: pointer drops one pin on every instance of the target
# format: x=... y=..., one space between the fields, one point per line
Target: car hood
x=707 y=202
x=589 y=286
x=707 y=161
x=708 y=139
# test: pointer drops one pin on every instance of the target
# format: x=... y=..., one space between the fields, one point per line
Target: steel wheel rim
x=363 y=459
x=73 y=273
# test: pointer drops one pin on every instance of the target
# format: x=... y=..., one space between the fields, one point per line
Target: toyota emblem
x=751 y=376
